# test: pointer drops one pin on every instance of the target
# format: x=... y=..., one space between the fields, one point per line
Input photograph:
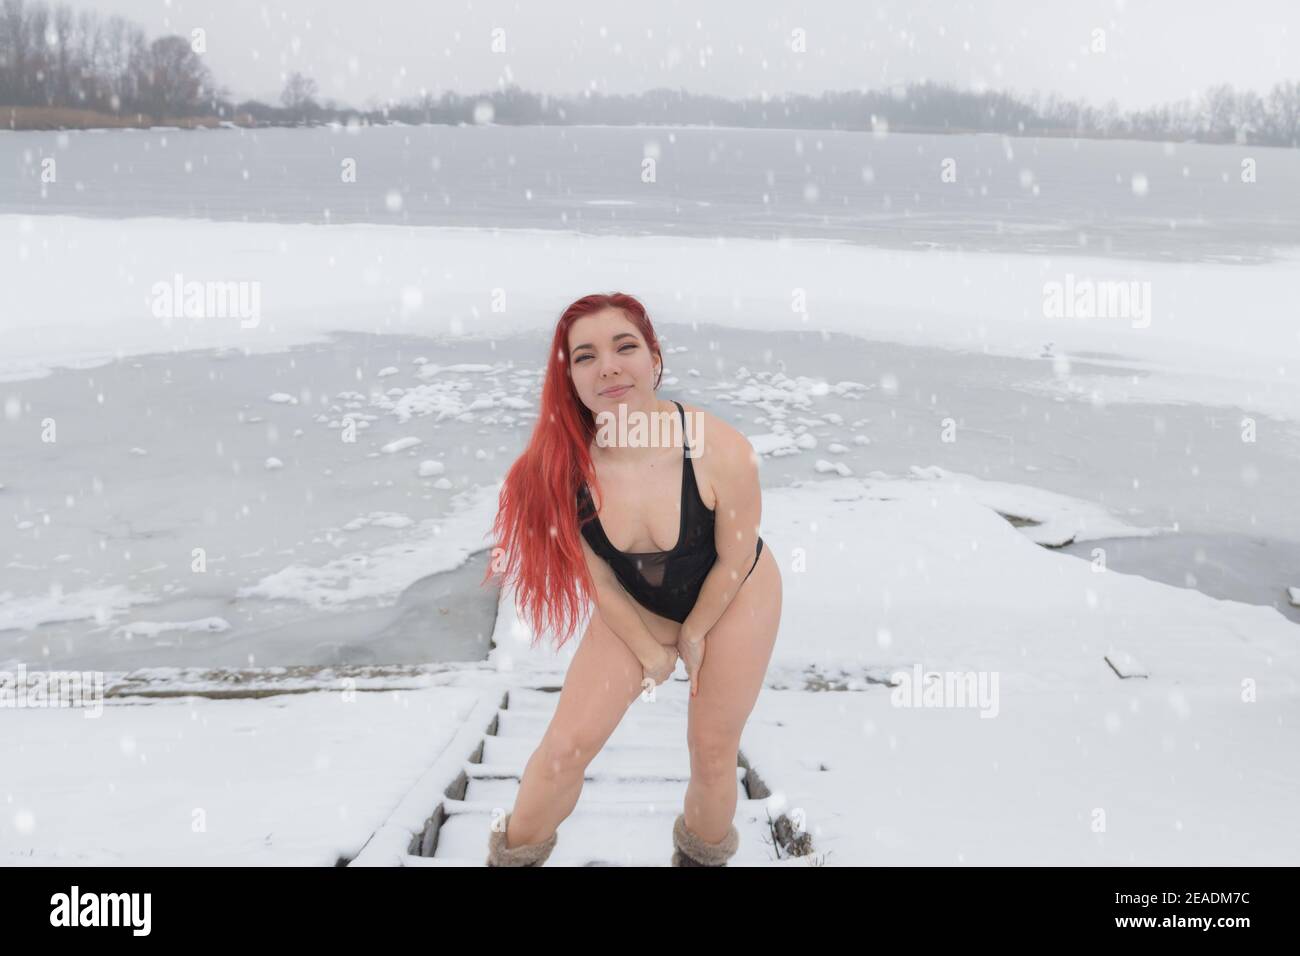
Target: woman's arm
x=615 y=608
x=733 y=466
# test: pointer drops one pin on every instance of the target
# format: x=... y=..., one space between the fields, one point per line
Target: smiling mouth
x=620 y=388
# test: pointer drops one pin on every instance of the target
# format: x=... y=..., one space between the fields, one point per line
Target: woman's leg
x=603 y=679
x=736 y=653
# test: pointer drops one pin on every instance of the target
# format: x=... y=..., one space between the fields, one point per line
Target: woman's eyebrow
x=588 y=345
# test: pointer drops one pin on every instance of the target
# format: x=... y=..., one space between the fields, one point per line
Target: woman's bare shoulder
x=720 y=450
x=713 y=428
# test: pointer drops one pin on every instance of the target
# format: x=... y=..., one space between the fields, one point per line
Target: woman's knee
x=596 y=693
x=713 y=756
x=565 y=753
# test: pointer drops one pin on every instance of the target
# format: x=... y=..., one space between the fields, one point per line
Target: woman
x=668 y=550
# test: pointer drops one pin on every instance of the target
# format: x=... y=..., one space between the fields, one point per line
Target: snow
x=433 y=546
x=774 y=443
x=153 y=628
x=1116 y=720
x=379 y=519
x=1056 y=518
x=400 y=445
x=885 y=579
x=291 y=780
x=330 y=277
x=98 y=604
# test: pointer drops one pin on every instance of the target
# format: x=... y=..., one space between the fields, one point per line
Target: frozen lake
x=165 y=453
x=182 y=435
x=1119 y=198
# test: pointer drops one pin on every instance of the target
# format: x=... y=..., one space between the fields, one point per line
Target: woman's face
x=607 y=352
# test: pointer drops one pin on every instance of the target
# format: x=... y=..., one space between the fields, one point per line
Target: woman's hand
x=660 y=669
x=691 y=650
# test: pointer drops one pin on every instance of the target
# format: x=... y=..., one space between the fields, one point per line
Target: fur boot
x=528 y=854
x=690 y=850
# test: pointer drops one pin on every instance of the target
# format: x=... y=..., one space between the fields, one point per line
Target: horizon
x=736 y=51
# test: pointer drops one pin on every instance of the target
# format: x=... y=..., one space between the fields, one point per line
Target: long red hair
x=538 y=542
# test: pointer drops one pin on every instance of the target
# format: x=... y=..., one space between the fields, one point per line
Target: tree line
x=53 y=57
x=1220 y=115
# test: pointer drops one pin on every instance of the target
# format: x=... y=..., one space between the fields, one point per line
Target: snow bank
x=81 y=294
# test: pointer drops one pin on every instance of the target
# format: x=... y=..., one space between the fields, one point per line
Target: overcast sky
x=1155 y=50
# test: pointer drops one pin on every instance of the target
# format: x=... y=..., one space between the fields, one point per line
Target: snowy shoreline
x=377 y=278
x=1180 y=764
x=110 y=578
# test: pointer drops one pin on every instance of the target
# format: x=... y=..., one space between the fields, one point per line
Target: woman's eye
x=587 y=355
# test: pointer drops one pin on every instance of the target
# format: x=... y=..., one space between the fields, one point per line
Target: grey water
x=972 y=192
x=98 y=513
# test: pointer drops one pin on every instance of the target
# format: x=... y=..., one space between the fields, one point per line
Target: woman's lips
x=616 y=392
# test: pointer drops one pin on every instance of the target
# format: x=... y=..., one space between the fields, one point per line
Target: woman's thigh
x=737 y=650
x=602 y=680
x=664 y=630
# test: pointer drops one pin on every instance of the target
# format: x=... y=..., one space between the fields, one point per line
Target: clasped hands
x=689 y=648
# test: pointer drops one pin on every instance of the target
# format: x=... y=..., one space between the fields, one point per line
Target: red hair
x=538 y=544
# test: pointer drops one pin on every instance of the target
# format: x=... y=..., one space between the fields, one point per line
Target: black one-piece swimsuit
x=666 y=582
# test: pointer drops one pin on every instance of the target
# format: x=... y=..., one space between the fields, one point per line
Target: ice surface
x=988 y=444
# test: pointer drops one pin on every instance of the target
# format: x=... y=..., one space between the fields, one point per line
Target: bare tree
x=125 y=53
x=1217 y=107
x=299 y=95
x=1249 y=117
x=89 y=82
x=1284 y=113
x=13 y=53
x=59 y=40
x=37 y=79
x=176 y=81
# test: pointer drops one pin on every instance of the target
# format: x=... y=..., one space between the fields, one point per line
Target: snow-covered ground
x=1056 y=758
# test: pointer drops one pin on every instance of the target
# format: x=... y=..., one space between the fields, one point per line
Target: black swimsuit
x=666 y=582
